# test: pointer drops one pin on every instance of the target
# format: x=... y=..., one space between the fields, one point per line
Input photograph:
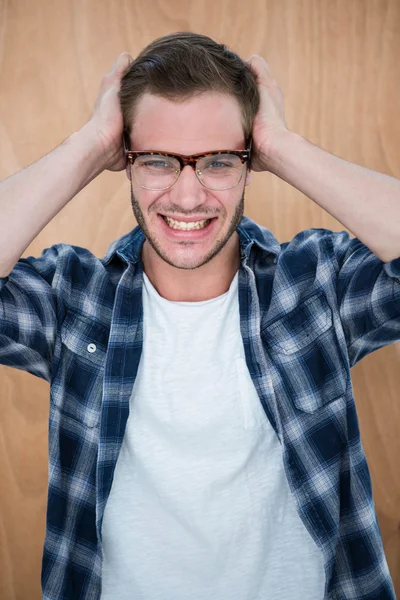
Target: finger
x=257 y=58
x=260 y=68
x=121 y=64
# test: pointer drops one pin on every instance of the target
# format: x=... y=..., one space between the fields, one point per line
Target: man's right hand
x=30 y=198
x=107 y=119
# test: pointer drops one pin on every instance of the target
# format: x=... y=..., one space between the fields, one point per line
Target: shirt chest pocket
x=77 y=389
x=306 y=353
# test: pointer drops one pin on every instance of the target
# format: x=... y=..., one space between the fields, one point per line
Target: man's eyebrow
x=231 y=147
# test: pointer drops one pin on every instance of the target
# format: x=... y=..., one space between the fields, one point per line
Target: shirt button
x=91 y=348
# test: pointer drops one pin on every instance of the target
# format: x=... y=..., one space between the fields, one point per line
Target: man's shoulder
x=308 y=240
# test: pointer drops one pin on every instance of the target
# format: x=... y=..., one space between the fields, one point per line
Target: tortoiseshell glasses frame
x=131 y=155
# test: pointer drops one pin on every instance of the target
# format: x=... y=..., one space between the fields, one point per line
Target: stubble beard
x=218 y=244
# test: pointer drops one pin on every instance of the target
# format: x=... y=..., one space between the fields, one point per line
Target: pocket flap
x=85 y=337
x=301 y=326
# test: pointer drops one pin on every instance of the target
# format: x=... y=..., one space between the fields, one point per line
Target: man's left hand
x=269 y=121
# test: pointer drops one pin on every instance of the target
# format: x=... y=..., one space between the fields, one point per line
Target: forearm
x=30 y=198
x=364 y=201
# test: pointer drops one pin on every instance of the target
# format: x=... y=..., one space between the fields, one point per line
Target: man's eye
x=219 y=164
x=156 y=163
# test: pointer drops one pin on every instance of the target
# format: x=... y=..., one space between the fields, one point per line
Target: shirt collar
x=129 y=246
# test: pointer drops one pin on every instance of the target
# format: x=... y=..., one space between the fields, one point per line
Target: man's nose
x=188 y=186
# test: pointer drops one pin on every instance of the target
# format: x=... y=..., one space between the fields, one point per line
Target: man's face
x=208 y=122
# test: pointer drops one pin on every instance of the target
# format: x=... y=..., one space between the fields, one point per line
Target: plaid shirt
x=310 y=309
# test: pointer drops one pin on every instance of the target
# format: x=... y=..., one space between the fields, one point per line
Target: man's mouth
x=192 y=230
x=184 y=226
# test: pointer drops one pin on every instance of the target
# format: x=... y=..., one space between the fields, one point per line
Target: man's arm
x=30 y=198
x=364 y=201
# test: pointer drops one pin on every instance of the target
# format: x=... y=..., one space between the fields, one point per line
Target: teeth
x=186 y=226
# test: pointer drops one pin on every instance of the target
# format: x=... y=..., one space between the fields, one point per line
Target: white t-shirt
x=200 y=505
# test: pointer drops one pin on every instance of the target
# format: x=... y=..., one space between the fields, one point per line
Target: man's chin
x=180 y=257
x=188 y=255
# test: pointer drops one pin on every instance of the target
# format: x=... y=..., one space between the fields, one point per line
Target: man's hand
x=270 y=119
x=107 y=119
x=367 y=203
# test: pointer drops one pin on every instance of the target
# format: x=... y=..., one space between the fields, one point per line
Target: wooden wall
x=337 y=63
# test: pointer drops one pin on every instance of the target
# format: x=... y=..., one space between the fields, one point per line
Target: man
x=203 y=433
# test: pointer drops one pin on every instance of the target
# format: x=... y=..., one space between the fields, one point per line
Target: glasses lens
x=217 y=172
x=156 y=172
x=220 y=171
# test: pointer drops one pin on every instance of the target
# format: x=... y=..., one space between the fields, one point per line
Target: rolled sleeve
x=28 y=314
x=368 y=295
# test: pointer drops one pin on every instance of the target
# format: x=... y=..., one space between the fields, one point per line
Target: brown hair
x=182 y=65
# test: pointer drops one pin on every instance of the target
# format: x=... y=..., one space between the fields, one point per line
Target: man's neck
x=180 y=285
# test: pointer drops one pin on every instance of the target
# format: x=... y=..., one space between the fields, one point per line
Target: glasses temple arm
x=124 y=140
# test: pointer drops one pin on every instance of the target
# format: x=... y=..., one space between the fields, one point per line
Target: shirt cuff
x=392 y=269
x=3 y=281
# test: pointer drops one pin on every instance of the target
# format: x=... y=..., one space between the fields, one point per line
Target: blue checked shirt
x=310 y=309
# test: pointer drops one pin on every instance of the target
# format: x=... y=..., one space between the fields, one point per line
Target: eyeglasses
x=218 y=170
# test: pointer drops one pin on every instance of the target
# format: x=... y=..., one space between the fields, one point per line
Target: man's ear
x=249 y=177
x=126 y=144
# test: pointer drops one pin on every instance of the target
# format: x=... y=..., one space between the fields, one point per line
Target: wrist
x=92 y=150
x=280 y=148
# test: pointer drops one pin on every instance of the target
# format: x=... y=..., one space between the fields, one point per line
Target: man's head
x=187 y=94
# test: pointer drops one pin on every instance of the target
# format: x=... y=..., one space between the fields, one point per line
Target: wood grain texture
x=337 y=64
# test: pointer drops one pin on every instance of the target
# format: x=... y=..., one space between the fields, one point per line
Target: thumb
x=121 y=64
